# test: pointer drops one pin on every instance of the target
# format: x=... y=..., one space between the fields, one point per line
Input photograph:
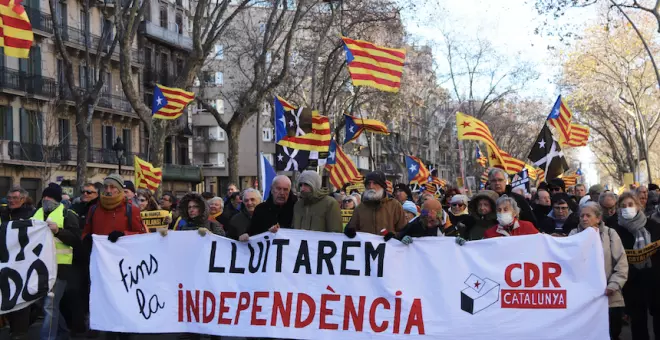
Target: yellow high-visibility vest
x=64 y=252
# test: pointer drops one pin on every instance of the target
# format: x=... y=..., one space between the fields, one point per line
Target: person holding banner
x=63 y=223
x=616 y=262
x=432 y=222
x=640 y=236
x=508 y=223
x=277 y=211
x=239 y=226
x=194 y=215
x=215 y=209
x=482 y=208
x=315 y=210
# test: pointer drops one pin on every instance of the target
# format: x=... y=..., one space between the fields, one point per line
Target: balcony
x=83 y=40
x=33 y=152
x=12 y=81
x=36 y=85
x=106 y=100
x=68 y=153
x=165 y=36
x=42 y=23
x=183 y=173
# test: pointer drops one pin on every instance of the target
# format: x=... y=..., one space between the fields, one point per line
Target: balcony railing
x=69 y=153
x=106 y=100
x=11 y=79
x=41 y=86
x=34 y=152
x=166 y=36
x=39 y=20
x=85 y=39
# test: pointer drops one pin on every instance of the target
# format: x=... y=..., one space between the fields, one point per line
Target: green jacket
x=318 y=214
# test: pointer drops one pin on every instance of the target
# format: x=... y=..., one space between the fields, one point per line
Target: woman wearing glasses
x=458 y=213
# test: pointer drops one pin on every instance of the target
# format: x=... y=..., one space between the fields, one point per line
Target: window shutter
x=81 y=76
x=25 y=125
x=36 y=60
x=39 y=128
x=9 y=120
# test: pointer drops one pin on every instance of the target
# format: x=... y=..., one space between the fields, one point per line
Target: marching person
x=277 y=211
x=580 y=191
x=231 y=208
x=146 y=200
x=410 y=209
x=640 y=293
x=508 y=222
x=169 y=202
x=562 y=218
x=239 y=225
x=497 y=179
x=63 y=223
x=231 y=189
x=595 y=191
x=432 y=222
x=402 y=193
x=616 y=262
x=215 y=209
x=315 y=210
x=607 y=202
x=129 y=191
x=377 y=211
x=482 y=208
x=458 y=212
x=349 y=203
x=194 y=215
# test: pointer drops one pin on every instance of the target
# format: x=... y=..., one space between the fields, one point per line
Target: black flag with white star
x=287 y=159
x=547 y=155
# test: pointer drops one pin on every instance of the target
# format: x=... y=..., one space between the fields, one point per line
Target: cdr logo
x=534 y=287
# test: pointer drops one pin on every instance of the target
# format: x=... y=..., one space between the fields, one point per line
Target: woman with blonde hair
x=146 y=200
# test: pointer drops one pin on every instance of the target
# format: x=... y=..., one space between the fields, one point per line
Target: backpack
x=129 y=214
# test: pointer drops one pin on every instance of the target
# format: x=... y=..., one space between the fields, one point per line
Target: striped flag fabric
x=470 y=128
x=355 y=126
x=16 y=34
x=579 y=136
x=169 y=102
x=287 y=106
x=540 y=173
x=316 y=139
x=484 y=176
x=390 y=187
x=146 y=176
x=341 y=168
x=481 y=159
x=511 y=164
x=374 y=66
x=570 y=180
x=417 y=171
x=560 y=118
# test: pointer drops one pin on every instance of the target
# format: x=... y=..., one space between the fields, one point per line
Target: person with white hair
x=240 y=222
x=497 y=181
x=458 y=212
x=508 y=223
x=277 y=211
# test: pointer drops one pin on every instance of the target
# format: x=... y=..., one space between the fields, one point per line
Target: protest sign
x=356 y=186
x=311 y=285
x=521 y=180
x=346 y=215
x=155 y=219
x=28 y=266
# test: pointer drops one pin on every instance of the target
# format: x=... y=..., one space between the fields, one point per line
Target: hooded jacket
x=481 y=222
x=371 y=217
x=185 y=222
x=268 y=214
x=318 y=212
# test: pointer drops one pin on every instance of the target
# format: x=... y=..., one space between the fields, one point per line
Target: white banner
x=28 y=266
x=313 y=285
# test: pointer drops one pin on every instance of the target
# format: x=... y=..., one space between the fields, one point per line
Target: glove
x=202 y=231
x=460 y=241
x=407 y=240
x=244 y=237
x=162 y=231
x=114 y=236
x=389 y=236
x=350 y=232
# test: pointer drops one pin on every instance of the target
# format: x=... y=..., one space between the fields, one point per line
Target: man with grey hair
x=607 y=202
x=508 y=223
x=277 y=211
x=497 y=180
x=17 y=209
x=238 y=226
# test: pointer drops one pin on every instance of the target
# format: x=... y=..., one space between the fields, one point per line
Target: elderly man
x=432 y=222
x=642 y=194
x=377 y=211
x=580 y=191
x=508 y=223
x=63 y=223
x=17 y=208
x=315 y=210
x=239 y=224
x=277 y=211
x=607 y=202
x=497 y=178
x=595 y=191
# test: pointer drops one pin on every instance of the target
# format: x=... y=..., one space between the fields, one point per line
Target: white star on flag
x=283 y=121
x=413 y=168
x=331 y=155
x=548 y=158
x=159 y=101
x=280 y=157
x=542 y=144
x=291 y=123
x=351 y=129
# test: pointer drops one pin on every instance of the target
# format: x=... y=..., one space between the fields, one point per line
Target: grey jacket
x=616 y=262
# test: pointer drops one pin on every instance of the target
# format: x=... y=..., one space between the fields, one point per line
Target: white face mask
x=628 y=213
x=505 y=218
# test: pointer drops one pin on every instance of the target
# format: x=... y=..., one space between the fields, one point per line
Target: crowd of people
x=630 y=221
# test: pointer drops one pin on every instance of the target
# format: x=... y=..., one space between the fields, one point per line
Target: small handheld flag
x=341 y=167
x=267 y=174
x=169 y=102
x=355 y=127
x=417 y=171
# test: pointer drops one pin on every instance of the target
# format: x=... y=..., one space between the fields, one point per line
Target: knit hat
x=129 y=185
x=404 y=188
x=115 y=180
x=410 y=207
x=53 y=191
x=459 y=199
x=557 y=183
x=596 y=189
x=377 y=177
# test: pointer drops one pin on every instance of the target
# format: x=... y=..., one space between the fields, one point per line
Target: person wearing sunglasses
x=458 y=212
x=349 y=203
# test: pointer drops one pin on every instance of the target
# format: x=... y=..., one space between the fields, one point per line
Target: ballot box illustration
x=479 y=294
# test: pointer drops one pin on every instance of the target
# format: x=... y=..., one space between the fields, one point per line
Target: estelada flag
x=355 y=126
x=15 y=29
x=169 y=102
x=470 y=128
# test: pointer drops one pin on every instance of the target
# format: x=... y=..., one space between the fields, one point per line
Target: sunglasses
x=555 y=189
x=457 y=205
x=142 y=199
x=88 y=192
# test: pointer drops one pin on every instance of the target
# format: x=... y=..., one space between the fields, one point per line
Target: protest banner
x=311 y=285
x=155 y=219
x=28 y=266
x=359 y=187
x=346 y=215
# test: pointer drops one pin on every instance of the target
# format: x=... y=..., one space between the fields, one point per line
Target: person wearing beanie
x=556 y=185
x=129 y=192
x=315 y=210
x=410 y=209
x=63 y=223
x=377 y=211
x=402 y=193
x=458 y=212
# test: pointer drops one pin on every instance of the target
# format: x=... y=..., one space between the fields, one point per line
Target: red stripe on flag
x=380 y=81
x=16 y=23
x=17 y=43
x=177 y=93
x=372 y=67
x=384 y=60
x=369 y=45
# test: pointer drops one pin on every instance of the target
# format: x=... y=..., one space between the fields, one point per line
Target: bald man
x=277 y=211
x=432 y=222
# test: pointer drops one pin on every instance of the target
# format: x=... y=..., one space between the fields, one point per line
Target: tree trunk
x=233 y=135
x=82 y=148
x=157 y=137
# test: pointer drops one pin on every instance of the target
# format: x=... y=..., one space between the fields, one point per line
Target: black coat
x=70 y=235
x=268 y=214
x=227 y=213
x=416 y=228
x=22 y=213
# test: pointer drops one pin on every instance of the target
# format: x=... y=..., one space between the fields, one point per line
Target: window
x=84 y=21
x=64 y=132
x=127 y=140
x=266 y=134
x=218 y=159
x=87 y=76
x=32 y=65
x=219 y=52
x=33 y=187
x=216 y=133
x=5 y=185
x=108 y=136
x=179 y=66
x=163 y=17
x=179 y=23
x=183 y=158
x=218 y=78
x=163 y=75
x=168 y=151
x=62 y=13
x=218 y=105
x=107 y=83
x=6 y=123
x=31 y=126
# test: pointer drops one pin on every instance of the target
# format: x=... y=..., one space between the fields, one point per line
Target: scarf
x=637 y=227
x=111 y=202
x=214 y=216
x=507 y=230
x=464 y=212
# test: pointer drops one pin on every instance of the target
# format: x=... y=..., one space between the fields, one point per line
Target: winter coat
x=22 y=213
x=103 y=222
x=319 y=212
x=239 y=224
x=481 y=222
x=371 y=218
x=418 y=228
x=185 y=222
x=228 y=211
x=268 y=214
x=616 y=263
x=526 y=213
x=519 y=228
x=69 y=235
x=548 y=224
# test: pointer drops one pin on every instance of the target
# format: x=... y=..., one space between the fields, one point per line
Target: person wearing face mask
x=616 y=262
x=508 y=223
x=432 y=222
x=640 y=292
x=482 y=208
x=63 y=223
x=315 y=210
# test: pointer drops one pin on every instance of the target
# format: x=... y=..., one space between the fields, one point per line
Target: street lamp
x=119 y=149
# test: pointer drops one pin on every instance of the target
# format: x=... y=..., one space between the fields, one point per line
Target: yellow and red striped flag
x=570 y=180
x=169 y=102
x=285 y=104
x=470 y=128
x=355 y=126
x=374 y=66
x=579 y=136
x=390 y=187
x=438 y=182
x=317 y=140
x=484 y=176
x=16 y=34
x=341 y=167
x=560 y=117
x=146 y=176
x=417 y=171
x=541 y=175
x=511 y=164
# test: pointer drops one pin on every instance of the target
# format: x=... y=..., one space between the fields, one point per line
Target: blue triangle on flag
x=266 y=176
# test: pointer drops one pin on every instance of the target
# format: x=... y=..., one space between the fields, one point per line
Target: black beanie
x=53 y=191
x=377 y=177
x=129 y=185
